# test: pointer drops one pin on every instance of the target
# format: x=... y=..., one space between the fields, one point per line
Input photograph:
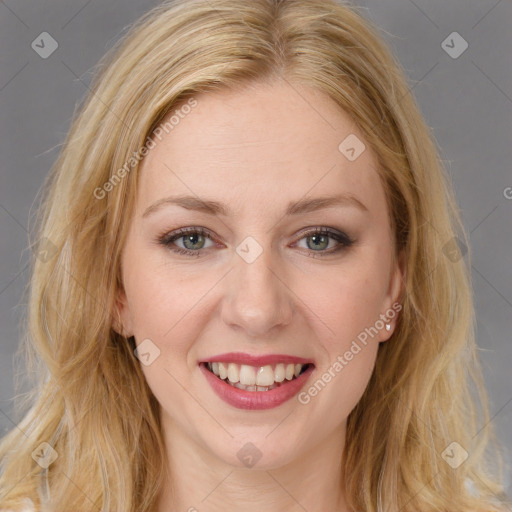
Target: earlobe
x=395 y=291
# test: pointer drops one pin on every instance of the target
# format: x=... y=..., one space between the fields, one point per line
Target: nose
x=258 y=299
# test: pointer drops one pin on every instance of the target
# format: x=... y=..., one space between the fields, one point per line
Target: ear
x=392 y=302
x=121 y=322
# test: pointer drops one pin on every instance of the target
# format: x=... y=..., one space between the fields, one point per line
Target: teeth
x=252 y=388
x=233 y=372
x=223 y=371
x=265 y=376
x=279 y=373
x=253 y=378
x=247 y=375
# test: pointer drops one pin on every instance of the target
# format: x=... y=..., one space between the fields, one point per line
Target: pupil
x=316 y=245
x=192 y=239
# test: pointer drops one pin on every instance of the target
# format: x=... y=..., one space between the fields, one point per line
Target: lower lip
x=256 y=400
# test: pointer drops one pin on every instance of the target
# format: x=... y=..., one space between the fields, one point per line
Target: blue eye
x=194 y=239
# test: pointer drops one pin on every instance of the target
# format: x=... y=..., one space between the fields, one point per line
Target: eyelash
x=167 y=240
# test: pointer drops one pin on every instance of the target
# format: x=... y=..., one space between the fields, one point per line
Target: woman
x=248 y=302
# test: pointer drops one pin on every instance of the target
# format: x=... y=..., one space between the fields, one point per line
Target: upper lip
x=254 y=360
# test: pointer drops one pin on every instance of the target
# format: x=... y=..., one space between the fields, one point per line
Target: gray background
x=466 y=100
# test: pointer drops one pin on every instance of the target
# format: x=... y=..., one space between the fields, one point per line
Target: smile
x=260 y=383
x=254 y=378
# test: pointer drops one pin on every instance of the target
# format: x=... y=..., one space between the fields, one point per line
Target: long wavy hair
x=89 y=401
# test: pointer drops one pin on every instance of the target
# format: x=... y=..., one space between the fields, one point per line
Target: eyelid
x=343 y=240
x=335 y=233
x=169 y=236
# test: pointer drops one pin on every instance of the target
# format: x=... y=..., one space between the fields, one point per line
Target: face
x=285 y=268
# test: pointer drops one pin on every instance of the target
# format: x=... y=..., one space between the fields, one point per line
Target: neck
x=201 y=482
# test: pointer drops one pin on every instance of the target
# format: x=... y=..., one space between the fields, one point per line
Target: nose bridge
x=257 y=300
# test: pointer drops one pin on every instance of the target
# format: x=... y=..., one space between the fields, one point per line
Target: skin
x=255 y=150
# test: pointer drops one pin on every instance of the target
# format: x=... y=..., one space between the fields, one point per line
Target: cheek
x=349 y=304
x=344 y=382
x=155 y=303
x=167 y=305
x=345 y=329
x=348 y=300
x=164 y=308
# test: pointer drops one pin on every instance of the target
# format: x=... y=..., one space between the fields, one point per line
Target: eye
x=194 y=239
x=319 y=239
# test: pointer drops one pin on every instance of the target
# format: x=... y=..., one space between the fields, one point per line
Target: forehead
x=267 y=141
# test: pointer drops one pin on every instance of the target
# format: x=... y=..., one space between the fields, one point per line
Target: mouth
x=265 y=383
x=256 y=378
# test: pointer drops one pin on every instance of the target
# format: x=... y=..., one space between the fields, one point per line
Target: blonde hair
x=91 y=402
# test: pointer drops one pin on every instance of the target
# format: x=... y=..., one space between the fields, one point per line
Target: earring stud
x=388 y=327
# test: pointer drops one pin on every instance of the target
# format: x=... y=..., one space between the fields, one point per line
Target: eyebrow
x=294 y=208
